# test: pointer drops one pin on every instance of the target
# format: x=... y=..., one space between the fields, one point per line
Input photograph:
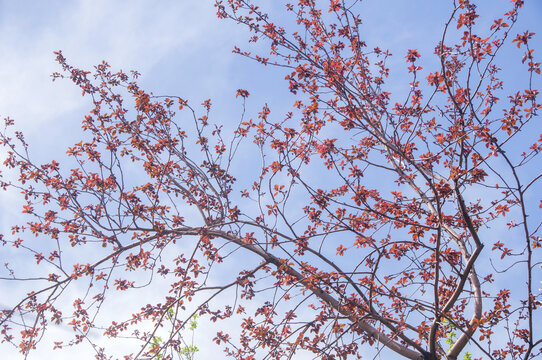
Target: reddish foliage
x=331 y=258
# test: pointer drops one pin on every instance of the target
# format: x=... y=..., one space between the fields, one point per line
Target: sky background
x=181 y=49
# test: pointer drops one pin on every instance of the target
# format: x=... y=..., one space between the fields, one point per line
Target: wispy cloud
x=151 y=37
x=128 y=34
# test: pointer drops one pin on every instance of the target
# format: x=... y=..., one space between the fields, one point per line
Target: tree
x=372 y=218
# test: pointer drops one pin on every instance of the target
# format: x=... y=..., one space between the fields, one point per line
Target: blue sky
x=181 y=49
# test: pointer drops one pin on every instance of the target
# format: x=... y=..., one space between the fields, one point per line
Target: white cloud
x=142 y=35
x=128 y=34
